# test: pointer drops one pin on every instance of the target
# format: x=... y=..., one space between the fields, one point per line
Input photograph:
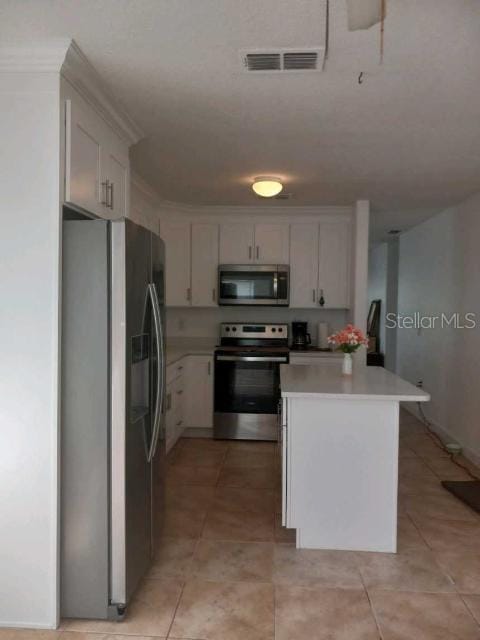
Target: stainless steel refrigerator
x=112 y=414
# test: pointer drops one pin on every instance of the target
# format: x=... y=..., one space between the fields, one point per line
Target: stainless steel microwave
x=265 y=285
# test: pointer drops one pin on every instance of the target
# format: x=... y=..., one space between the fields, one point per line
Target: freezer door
x=158 y=462
x=132 y=428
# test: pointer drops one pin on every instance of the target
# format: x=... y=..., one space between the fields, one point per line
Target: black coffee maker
x=300 y=336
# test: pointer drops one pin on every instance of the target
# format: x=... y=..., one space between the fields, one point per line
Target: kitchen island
x=340 y=455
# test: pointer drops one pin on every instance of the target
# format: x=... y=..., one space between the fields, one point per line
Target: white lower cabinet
x=199 y=397
x=174 y=404
x=189 y=396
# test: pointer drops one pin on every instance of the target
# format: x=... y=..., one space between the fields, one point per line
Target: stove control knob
x=280 y=329
x=234 y=328
x=273 y=329
x=227 y=328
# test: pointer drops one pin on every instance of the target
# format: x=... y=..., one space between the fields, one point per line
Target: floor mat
x=467 y=491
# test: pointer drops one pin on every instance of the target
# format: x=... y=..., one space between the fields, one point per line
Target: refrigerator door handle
x=157 y=321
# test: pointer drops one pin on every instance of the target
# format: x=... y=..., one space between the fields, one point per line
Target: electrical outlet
x=420 y=384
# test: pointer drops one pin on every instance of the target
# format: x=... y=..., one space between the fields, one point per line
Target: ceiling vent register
x=290 y=60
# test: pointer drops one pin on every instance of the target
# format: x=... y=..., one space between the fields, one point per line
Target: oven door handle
x=252 y=359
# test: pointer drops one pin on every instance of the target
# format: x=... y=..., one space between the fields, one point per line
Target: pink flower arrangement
x=348 y=340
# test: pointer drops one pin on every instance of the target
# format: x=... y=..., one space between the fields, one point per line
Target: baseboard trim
x=197 y=432
x=444 y=434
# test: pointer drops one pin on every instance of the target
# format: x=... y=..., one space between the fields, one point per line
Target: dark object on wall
x=373 y=320
x=468 y=491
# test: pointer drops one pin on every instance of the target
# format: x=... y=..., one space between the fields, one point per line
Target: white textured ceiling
x=408 y=138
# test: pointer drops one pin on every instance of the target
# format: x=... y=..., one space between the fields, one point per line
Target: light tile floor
x=227 y=570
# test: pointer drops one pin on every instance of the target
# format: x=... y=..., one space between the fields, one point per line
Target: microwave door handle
x=152 y=292
x=275 y=285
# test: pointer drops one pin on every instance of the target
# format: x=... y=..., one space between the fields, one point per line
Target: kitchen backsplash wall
x=203 y=323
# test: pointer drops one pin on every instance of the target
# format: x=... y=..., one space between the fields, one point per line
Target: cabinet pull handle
x=314 y=296
x=249 y=252
x=179 y=392
x=169 y=401
x=209 y=368
x=189 y=294
x=111 y=195
x=180 y=368
x=105 y=192
x=214 y=297
x=179 y=423
x=258 y=252
x=321 y=300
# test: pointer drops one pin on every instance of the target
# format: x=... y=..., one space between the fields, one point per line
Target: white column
x=360 y=263
x=29 y=345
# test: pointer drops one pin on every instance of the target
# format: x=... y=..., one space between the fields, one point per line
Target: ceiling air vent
x=283 y=60
x=300 y=60
x=263 y=61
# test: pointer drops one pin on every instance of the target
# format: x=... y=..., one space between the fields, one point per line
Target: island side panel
x=343 y=473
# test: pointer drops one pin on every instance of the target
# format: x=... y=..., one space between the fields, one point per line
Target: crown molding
x=63 y=56
x=80 y=73
x=40 y=58
x=144 y=189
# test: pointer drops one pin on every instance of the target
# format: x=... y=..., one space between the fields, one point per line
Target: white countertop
x=366 y=383
x=313 y=353
x=178 y=348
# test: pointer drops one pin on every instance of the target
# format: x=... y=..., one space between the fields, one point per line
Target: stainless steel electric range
x=247 y=380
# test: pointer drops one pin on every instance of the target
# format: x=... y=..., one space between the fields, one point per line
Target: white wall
x=377 y=283
x=196 y=322
x=29 y=347
x=439 y=271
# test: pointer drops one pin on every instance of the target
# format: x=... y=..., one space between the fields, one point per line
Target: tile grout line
x=461 y=595
x=380 y=635
x=176 y=609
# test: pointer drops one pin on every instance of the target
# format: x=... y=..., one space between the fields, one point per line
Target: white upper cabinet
x=204 y=264
x=176 y=236
x=115 y=182
x=83 y=159
x=334 y=264
x=303 y=265
x=97 y=172
x=261 y=243
x=271 y=243
x=236 y=243
x=320 y=265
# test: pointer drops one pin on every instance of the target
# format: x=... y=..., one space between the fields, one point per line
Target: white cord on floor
x=440 y=444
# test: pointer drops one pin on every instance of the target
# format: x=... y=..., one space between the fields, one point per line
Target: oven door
x=253 y=285
x=247 y=391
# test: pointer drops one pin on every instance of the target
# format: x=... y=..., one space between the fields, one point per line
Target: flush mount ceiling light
x=267 y=186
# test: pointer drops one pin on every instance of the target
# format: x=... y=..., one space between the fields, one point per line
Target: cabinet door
x=303 y=265
x=199 y=392
x=115 y=169
x=272 y=243
x=178 y=389
x=334 y=264
x=236 y=243
x=204 y=265
x=169 y=418
x=176 y=236
x=83 y=150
